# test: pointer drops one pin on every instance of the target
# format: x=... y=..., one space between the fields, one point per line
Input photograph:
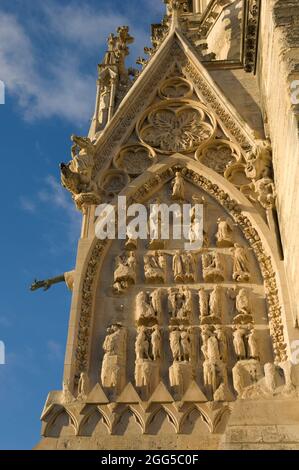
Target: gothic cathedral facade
x=170 y=348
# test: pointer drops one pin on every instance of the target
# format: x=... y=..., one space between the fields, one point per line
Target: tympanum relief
x=191 y=315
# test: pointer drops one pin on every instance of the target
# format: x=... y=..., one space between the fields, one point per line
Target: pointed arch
x=59 y=418
x=160 y=413
x=125 y=414
x=250 y=222
x=93 y=417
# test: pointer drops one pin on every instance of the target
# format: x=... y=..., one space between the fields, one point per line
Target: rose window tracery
x=176 y=127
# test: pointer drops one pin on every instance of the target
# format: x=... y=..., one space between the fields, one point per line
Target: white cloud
x=82 y=25
x=53 y=82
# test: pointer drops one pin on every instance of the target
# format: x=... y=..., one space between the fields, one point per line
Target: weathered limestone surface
x=278 y=67
x=172 y=348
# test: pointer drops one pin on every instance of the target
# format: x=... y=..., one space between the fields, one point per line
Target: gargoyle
x=76 y=176
x=68 y=278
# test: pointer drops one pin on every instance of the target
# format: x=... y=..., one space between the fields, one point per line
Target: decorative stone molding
x=251 y=34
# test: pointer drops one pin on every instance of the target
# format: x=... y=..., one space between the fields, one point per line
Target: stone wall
x=278 y=67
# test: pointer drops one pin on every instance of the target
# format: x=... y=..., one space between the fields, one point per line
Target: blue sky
x=49 y=51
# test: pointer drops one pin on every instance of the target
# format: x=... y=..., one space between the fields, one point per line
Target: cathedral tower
x=169 y=347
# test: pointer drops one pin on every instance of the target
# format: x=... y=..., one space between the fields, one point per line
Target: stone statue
x=76 y=176
x=203 y=303
x=265 y=191
x=185 y=340
x=224 y=234
x=142 y=344
x=189 y=267
x=156 y=302
x=177 y=267
x=253 y=349
x=154 y=267
x=83 y=386
x=114 y=361
x=222 y=342
x=172 y=302
x=144 y=309
x=240 y=264
x=215 y=302
x=243 y=304
x=178 y=190
x=125 y=272
x=209 y=375
x=175 y=344
x=155 y=221
x=239 y=343
x=104 y=106
x=183 y=267
x=156 y=340
x=213 y=269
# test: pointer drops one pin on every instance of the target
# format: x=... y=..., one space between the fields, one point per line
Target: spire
x=113 y=80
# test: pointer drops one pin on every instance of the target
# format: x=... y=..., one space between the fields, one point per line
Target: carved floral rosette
x=176 y=126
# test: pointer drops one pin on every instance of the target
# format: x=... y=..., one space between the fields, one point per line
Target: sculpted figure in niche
x=125 y=272
x=178 y=190
x=142 y=344
x=253 y=349
x=240 y=264
x=243 y=306
x=156 y=302
x=245 y=342
x=183 y=266
x=174 y=339
x=203 y=303
x=197 y=226
x=177 y=267
x=155 y=225
x=185 y=344
x=104 y=106
x=239 y=342
x=180 y=303
x=148 y=343
x=156 y=343
x=213 y=269
x=143 y=306
x=83 y=386
x=180 y=343
x=154 y=267
x=189 y=266
x=172 y=302
x=222 y=342
x=215 y=303
x=114 y=349
x=224 y=234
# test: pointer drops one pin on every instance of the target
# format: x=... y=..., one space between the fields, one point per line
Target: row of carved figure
x=183 y=346
x=224 y=236
x=183 y=266
x=149 y=305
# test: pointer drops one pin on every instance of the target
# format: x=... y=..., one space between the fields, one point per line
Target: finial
x=174 y=9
